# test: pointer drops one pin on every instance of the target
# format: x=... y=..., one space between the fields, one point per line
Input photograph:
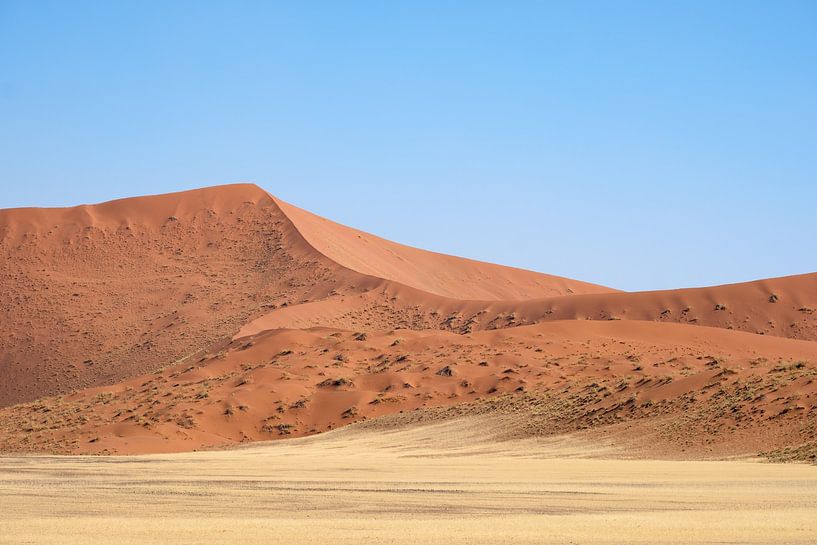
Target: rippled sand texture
x=444 y=483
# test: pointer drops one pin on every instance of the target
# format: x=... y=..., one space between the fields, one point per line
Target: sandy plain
x=448 y=482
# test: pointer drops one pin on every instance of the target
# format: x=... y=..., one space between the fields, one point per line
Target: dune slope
x=95 y=294
x=782 y=307
x=439 y=274
x=701 y=389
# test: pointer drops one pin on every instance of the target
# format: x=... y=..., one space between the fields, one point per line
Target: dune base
x=449 y=482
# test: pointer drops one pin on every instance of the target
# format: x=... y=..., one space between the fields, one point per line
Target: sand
x=447 y=483
x=224 y=315
x=700 y=391
x=253 y=373
x=431 y=272
x=96 y=294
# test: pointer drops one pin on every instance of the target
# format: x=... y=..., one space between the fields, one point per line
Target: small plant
x=446 y=372
x=300 y=404
x=335 y=383
x=282 y=429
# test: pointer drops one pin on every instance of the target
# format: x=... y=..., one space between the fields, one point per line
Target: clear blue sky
x=640 y=145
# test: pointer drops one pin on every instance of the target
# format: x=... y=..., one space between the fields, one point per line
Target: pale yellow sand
x=408 y=486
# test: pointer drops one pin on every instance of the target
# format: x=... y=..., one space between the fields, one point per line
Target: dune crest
x=781 y=307
x=439 y=274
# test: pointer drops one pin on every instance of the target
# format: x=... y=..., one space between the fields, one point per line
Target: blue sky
x=641 y=145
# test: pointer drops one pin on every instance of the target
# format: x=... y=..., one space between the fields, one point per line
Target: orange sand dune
x=95 y=294
x=435 y=273
x=223 y=315
x=749 y=392
x=783 y=307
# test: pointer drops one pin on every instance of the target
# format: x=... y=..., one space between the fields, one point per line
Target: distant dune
x=783 y=307
x=224 y=315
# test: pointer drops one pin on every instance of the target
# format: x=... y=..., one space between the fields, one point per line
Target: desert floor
x=442 y=483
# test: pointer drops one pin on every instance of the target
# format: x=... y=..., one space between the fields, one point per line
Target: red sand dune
x=222 y=315
x=95 y=294
x=440 y=274
x=783 y=307
x=300 y=382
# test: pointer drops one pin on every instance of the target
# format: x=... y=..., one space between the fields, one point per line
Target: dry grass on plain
x=446 y=483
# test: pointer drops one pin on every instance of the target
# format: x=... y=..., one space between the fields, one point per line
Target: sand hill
x=95 y=294
x=224 y=315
